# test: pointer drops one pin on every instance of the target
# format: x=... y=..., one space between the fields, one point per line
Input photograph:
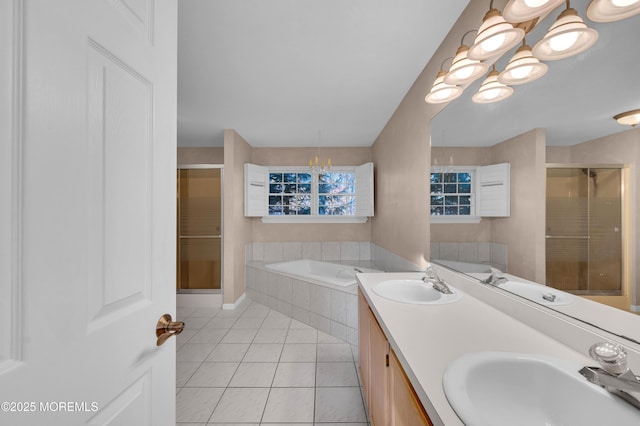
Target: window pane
x=465 y=199
x=437 y=200
x=450 y=188
x=275 y=199
x=275 y=177
x=436 y=177
x=450 y=177
x=451 y=211
x=336 y=183
x=436 y=188
x=464 y=211
x=437 y=211
x=336 y=205
x=290 y=177
x=290 y=188
x=275 y=210
x=464 y=177
x=304 y=177
x=464 y=188
x=299 y=204
x=304 y=188
x=276 y=188
x=451 y=200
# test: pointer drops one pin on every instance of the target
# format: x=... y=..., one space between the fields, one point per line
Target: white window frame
x=490 y=192
x=473 y=217
x=363 y=194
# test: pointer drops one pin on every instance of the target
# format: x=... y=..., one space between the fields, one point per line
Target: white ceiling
x=575 y=101
x=283 y=72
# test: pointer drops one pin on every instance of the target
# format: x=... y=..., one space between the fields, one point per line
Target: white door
x=87 y=190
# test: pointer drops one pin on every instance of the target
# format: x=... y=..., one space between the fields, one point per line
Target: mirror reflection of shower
x=199 y=229
x=584 y=220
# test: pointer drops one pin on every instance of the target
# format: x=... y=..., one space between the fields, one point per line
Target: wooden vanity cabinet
x=390 y=398
x=363 y=342
x=406 y=409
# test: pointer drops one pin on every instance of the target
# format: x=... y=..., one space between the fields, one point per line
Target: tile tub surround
x=492 y=254
x=329 y=308
x=274 y=370
x=331 y=251
x=341 y=251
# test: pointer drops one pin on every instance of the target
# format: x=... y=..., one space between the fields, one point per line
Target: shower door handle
x=166 y=328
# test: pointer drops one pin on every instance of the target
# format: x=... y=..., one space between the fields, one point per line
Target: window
x=337 y=193
x=292 y=193
x=295 y=193
x=464 y=194
x=452 y=193
x=289 y=193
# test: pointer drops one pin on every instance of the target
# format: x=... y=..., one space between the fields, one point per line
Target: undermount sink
x=414 y=291
x=538 y=293
x=505 y=388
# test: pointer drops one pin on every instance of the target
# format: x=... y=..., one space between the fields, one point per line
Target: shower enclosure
x=199 y=229
x=584 y=229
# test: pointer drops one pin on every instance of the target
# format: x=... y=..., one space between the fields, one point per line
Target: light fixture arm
x=466 y=34
x=445 y=60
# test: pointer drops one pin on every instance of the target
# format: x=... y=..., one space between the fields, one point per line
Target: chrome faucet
x=615 y=375
x=430 y=275
x=495 y=278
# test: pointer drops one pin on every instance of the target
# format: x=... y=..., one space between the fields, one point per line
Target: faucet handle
x=431 y=273
x=496 y=272
x=611 y=356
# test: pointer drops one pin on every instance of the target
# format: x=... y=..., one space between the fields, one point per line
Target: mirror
x=565 y=117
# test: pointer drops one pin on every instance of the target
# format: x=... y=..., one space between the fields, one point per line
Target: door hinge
x=387 y=359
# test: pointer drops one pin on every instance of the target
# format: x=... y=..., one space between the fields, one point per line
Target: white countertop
x=427 y=338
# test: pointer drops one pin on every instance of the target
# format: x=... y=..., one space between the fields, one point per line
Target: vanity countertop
x=427 y=338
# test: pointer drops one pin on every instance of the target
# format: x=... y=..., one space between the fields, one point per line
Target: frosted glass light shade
x=442 y=92
x=629 y=118
x=568 y=36
x=464 y=70
x=522 y=68
x=495 y=36
x=612 y=10
x=492 y=90
x=525 y=10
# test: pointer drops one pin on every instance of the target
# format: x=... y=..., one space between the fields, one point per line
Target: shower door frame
x=622 y=300
x=203 y=291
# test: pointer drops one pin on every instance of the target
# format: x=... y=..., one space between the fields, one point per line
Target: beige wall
x=524 y=230
x=402 y=156
x=200 y=155
x=276 y=232
x=620 y=148
x=237 y=228
x=461 y=232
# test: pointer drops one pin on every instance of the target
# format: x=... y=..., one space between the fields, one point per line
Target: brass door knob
x=167 y=328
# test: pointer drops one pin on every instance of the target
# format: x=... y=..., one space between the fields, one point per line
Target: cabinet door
x=364 y=349
x=379 y=380
x=405 y=407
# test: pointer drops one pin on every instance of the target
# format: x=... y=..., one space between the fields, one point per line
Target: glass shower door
x=584 y=224
x=199 y=230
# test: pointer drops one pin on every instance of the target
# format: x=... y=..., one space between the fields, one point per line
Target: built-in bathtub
x=320 y=294
x=332 y=273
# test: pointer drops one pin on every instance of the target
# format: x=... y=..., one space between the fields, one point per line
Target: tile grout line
x=279 y=361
